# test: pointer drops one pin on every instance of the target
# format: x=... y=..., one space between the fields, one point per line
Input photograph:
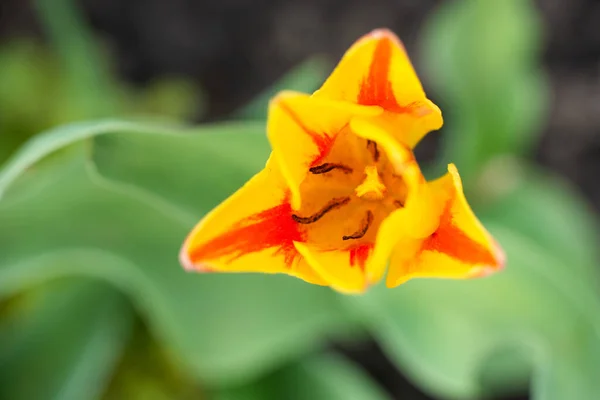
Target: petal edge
x=460 y=248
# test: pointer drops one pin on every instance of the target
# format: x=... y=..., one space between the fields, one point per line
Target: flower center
x=348 y=193
x=372 y=188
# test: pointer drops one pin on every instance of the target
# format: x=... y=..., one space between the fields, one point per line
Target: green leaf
x=306 y=78
x=445 y=333
x=319 y=377
x=483 y=58
x=65 y=344
x=110 y=209
x=192 y=174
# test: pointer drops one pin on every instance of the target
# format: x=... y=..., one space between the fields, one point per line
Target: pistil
x=371 y=188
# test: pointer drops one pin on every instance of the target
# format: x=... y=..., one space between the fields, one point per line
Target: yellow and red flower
x=342 y=195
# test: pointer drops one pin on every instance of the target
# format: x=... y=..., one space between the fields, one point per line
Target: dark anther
x=366 y=222
x=398 y=203
x=323 y=168
x=372 y=146
x=335 y=203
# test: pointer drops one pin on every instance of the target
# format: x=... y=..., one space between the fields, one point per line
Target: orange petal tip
x=188 y=265
x=382 y=33
x=184 y=260
x=487 y=270
x=500 y=256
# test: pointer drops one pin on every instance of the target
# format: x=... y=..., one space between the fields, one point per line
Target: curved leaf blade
x=227 y=328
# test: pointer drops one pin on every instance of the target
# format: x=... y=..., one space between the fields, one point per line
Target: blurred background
x=93 y=304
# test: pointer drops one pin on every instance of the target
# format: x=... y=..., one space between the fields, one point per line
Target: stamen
x=335 y=203
x=372 y=146
x=323 y=168
x=398 y=203
x=366 y=222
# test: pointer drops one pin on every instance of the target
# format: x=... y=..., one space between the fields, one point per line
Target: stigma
x=371 y=188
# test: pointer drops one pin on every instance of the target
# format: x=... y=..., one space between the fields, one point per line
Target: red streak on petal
x=322 y=141
x=359 y=254
x=452 y=241
x=376 y=88
x=272 y=228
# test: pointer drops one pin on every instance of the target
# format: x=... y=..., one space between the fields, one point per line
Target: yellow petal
x=459 y=248
x=394 y=233
x=251 y=231
x=343 y=270
x=302 y=131
x=376 y=71
x=410 y=128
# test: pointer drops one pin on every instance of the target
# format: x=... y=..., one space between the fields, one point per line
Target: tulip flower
x=342 y=198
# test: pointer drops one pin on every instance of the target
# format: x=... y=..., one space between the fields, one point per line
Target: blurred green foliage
x=483 y=57
x=78 y=324
x=41 y=88
x=316 y=377
x=92 y=215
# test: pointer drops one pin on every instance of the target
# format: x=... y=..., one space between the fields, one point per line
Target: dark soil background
x=235 y=48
